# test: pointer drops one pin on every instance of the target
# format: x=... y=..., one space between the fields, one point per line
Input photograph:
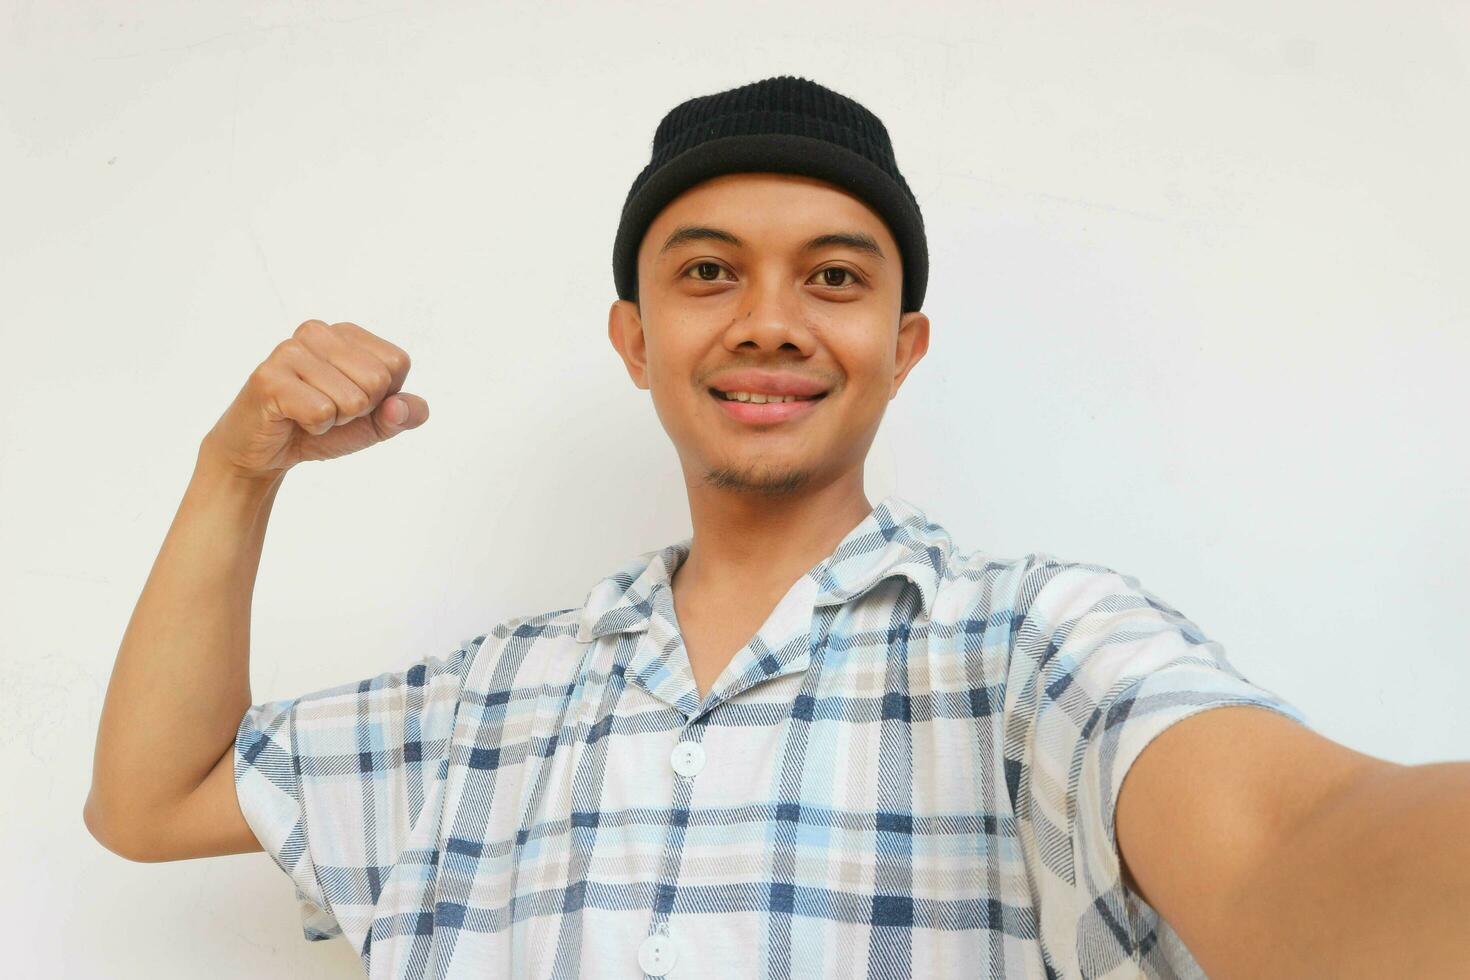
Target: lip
x=769 y=382
x=769 y=413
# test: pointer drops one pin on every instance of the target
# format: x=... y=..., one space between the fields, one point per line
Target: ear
x=625 y=330
x=913 y=341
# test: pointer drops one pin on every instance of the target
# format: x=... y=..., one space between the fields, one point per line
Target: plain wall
x=1199 y=303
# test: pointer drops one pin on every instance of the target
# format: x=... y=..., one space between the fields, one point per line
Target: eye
x=839 y=268
x=713 y=267
x=703 y=265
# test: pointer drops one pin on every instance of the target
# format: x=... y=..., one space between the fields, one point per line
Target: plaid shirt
x=909 y=770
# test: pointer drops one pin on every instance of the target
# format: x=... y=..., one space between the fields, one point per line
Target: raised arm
x=162 y=773
x=181 y=681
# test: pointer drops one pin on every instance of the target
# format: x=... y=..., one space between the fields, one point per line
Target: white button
x=657 y=955
x=687 y=758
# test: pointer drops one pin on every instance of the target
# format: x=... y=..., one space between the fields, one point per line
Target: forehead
x=767 y=210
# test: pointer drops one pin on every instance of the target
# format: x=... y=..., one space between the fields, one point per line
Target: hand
x=322 y=393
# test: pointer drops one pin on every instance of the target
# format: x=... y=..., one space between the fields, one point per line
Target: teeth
x=759 y=399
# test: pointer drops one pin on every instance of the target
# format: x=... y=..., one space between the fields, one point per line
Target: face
x=733 y=277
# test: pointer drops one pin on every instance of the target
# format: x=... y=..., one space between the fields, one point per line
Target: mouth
x=768 y=412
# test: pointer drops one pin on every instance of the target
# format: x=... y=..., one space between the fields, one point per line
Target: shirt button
x=687 y=758
x=657 y=955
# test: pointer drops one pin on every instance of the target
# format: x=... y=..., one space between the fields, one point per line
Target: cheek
x=674 y=399
x=672 y=416
x=665 y=393
x=675 y=365
x=672 y=354
x=869 y=372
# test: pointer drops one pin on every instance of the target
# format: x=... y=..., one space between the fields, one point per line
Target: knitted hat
x=784 y=124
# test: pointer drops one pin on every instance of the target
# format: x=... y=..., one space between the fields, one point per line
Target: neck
x=747 y=543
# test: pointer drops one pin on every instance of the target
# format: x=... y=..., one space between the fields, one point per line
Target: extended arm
x=1273 y=851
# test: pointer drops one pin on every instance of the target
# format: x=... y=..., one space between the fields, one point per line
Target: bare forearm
x=1376 y=884
x=181 y=681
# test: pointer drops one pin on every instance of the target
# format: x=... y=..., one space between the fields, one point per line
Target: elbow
x=122 y=844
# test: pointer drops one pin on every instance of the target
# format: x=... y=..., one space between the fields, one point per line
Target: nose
x=770 y=318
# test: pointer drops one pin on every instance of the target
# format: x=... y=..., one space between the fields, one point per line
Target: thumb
x=402 y=411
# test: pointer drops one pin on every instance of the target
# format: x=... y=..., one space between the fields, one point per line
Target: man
x=814 y=738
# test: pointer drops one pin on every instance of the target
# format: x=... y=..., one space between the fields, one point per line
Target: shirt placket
x=781 y=646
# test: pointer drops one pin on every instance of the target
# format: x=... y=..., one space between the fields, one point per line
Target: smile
x=765 y=413
x=761 y=399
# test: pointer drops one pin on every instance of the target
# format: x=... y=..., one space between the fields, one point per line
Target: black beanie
x=787 y=125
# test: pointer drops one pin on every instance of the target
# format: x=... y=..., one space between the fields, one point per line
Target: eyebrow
x=863 y=242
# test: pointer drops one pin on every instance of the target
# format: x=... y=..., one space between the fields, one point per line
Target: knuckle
x=307 y=327
x=262 y=380
x=356 y=404
x=290 y=347
x=323 y=412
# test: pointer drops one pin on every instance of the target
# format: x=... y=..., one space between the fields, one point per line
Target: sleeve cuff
x=267 y=786
x=1140 y=713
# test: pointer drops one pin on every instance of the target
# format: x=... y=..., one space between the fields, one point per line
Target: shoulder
x=525 y=650
x=550 y=624
x=981 y=583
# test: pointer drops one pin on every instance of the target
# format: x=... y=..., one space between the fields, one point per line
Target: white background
x=1199 y=302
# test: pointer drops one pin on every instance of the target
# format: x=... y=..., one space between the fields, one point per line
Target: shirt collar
x=896 y=538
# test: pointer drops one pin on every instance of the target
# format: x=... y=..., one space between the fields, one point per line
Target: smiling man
x=814 y=738
x=768 y=330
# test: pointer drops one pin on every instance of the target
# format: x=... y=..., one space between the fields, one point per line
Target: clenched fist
x=322 y=393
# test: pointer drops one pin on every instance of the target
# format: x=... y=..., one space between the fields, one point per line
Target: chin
x=765 y=476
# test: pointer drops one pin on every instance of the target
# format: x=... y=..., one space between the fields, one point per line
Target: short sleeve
x=1100 y=666
x=333 y=782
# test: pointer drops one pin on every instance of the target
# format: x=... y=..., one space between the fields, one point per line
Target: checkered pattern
x=909 y=770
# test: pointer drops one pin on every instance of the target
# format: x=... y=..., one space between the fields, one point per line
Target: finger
x=394 y=357
x=343 y=352
x=304 y=403
x=415 y=408
x=348 y=400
